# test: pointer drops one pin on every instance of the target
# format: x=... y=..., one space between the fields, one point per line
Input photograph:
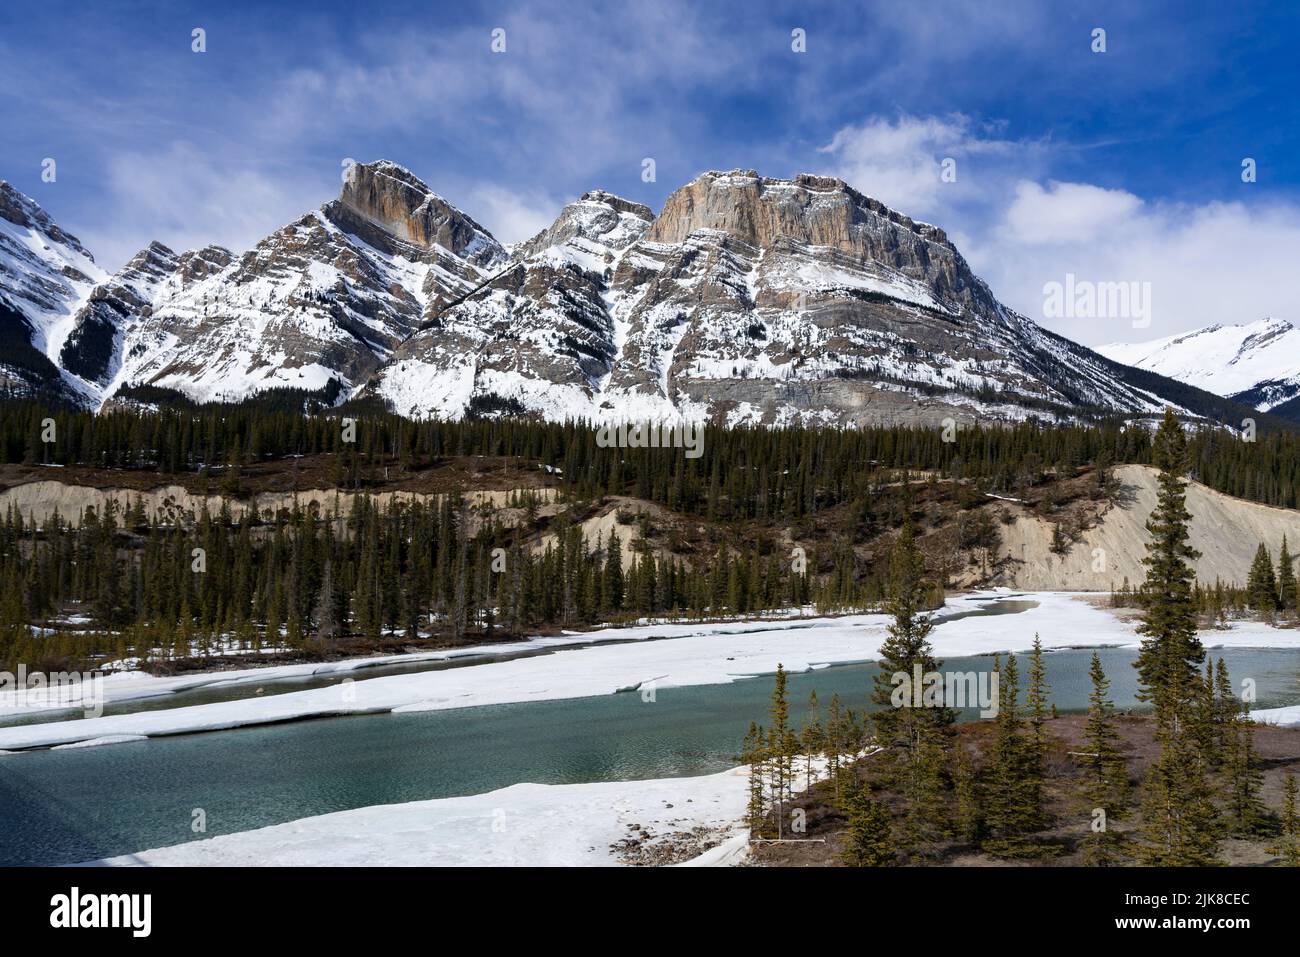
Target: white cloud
x=510 y=216
x=1213 y=262
x=1208 y=263
x=900 y=161
x=184 y=198
x=1066 y=212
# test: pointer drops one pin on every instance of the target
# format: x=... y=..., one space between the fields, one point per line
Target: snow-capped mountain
x=316 y=306
x=1257 y=364
x=45 y=274
x=746 y=299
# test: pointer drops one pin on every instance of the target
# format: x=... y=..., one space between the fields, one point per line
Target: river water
x=65 y=806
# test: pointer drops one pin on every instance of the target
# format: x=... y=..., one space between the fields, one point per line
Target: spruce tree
x=869 y=842
x=907 y=647
x=1261 y=584
x=1286 y=584
x=1036 y=701
x=1242 y=778
x=1169 y=611
x=753 y=754
x=914 y=738
x=968 y=816
x=1014 y=799
x=781 y=750
x=811 y=738
x=1289 y=825
x=1179 y=818
x=1105 y=780
x=327 y=611
x=1180 y=826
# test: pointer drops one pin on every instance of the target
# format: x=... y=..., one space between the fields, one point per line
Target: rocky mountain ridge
x=746 y=299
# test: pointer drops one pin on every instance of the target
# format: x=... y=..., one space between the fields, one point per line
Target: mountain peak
x=1250 y=362
x=399 y=202
x=809 y=208
x=23 y=211
x=609 y=221
x=617 y=202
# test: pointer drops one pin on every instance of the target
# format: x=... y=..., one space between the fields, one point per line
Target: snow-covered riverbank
x=522 y=825
x=698 y=654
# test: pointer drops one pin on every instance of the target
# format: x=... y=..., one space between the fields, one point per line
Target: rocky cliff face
x=745 y=300
x=394 y=199
x=541 y=338
x=93 y=349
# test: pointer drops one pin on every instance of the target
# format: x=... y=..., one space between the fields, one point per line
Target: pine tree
x=1286 y=583
x=811 y=738
x=1036 y=701
x=754 y=755
x=326 y=613
x=908 y=646
x=1261 y=584
x=834 y=744
x=1242 y=776
x=1179 y=821
x=1105 y=781
x=781 y=750
x=1014 y=804
x=1289 y=825
x=968 y=817
x=1169 y=612
x=914 y=738
x=869 y=842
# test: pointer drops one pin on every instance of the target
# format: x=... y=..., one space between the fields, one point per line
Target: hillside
x=1225 y=530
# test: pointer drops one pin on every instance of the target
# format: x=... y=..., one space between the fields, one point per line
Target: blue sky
x=1122 y=165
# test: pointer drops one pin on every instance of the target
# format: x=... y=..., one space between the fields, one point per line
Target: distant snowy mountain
x=745 y=300
x=1257 y=364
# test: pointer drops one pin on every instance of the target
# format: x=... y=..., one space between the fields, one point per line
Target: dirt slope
x=1225 y=530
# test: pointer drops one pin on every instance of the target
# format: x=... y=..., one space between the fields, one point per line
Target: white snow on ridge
x=1225 y=360
x=48 y=278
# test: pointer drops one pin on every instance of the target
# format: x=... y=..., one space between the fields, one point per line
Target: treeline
x=1269 y=595
x=925 y=791
x=308 y=580
x=998 y=799
x=743 y=473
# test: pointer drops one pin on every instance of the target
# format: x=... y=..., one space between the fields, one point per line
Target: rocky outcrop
x=317 y=306
x=93 y=348
x=397 y=201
